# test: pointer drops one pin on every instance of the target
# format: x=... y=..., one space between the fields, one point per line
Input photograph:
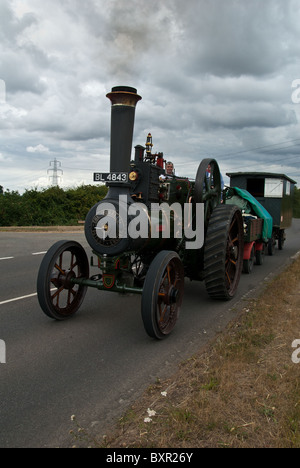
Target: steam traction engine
x=141 y=246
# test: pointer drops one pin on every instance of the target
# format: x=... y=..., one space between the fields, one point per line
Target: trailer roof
x=270 y=175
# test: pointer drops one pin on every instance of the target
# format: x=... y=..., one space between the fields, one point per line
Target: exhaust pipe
x=124 y=100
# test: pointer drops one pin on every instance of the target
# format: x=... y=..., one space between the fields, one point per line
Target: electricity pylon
x=55 y=170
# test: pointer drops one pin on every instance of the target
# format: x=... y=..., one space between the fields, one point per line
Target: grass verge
x=241 y=391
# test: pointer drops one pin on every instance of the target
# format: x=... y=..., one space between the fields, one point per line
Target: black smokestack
x=124 y=100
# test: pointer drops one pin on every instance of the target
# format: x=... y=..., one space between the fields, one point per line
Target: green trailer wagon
x=275 y=193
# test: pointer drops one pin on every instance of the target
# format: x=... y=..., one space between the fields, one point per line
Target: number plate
x=110 y=177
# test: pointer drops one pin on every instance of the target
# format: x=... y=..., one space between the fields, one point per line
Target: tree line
x=53 y=206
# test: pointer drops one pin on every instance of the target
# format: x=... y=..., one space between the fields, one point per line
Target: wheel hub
x=68 y=282
x=171 y=296
x=65 y=280
x=235 y=252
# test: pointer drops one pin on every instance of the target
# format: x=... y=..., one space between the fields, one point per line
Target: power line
x=229 y=155
x=271 y=162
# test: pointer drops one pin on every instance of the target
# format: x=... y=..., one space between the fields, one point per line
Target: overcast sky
x=216 y=79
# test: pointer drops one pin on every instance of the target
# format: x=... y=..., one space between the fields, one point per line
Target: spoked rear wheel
x=58 y=296
x=162 y=294
x=224 y=252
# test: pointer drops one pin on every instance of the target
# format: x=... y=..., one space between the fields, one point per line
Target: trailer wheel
x=272 y=245
x=58 y=296
x=281 y=239
x=162 y=294
x=224 y=252
x=248 y=265
x=260 y=256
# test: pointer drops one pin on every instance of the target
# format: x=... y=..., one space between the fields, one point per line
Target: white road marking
x=34 y=253
x=22 y=297
x=18 y=299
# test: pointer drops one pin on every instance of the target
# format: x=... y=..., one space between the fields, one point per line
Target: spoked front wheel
x=162 y=294
x=58 y=296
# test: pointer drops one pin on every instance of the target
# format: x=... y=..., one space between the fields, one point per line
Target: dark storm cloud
x=18 y=63
x=19 y=72
x=234 y=38
x=215 y=77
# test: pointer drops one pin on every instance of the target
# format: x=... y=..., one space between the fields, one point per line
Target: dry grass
x=241 y=391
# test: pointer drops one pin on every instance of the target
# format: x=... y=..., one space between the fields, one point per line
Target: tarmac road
x=96 y=364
